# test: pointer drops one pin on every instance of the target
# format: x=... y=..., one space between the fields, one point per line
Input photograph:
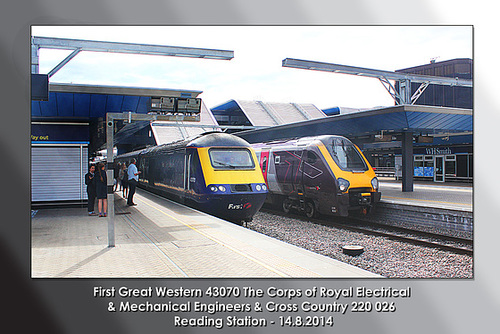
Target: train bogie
x=318 y=175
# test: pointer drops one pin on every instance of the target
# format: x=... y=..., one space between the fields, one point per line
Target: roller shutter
x=57 y=173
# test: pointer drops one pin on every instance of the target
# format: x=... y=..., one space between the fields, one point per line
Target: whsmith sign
x=438 y=151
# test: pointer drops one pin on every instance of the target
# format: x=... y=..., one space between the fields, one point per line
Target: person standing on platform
x=91 y=189
x=133 y=179
x=116 y=173
x=102 y=189
x=123 y=177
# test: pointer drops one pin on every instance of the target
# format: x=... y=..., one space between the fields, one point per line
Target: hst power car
x=318 y=175
x=216 y=172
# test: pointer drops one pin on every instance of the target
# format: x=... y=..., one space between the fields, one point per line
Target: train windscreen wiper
x=224 y=164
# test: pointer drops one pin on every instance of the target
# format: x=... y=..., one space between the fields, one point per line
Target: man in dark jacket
x=91 y=189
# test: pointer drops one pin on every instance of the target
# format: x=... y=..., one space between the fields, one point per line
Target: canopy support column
x=407 y=155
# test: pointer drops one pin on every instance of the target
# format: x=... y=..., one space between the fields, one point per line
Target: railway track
x=422 y=238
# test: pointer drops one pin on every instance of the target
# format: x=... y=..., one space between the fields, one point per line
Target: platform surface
x=444 y=196
x=161 y=238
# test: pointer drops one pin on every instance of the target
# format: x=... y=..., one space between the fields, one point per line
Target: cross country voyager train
x=318 y=175
x=216 y=172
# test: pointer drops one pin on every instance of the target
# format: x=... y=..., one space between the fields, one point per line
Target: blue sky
x=256 y=73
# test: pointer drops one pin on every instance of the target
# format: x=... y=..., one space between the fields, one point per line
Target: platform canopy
x=90 y=104
x=69 y=101
x=79 y=45
x=423 y=120
x=403 y=120
x=401 y=95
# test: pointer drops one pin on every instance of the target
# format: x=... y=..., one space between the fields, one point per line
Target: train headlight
x=264 y=187
x=343 y=184
x=258 y=187
x=375 y=183
x=213 y=188
x=222 y=188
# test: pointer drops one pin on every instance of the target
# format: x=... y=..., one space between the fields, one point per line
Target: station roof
x=414 y=118
x=279 y=120
x=259 y=113
x=68 y=101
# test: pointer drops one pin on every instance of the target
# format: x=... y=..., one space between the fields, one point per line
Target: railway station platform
x=446 y=207
x=161 y=238
x=445 y=196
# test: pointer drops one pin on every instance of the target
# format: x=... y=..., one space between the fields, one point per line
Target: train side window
x=311 y=158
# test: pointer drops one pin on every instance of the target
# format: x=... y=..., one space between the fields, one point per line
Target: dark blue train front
x=217 y=173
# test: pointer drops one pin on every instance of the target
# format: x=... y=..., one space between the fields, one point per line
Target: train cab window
x=346 y=155
x=234 y=158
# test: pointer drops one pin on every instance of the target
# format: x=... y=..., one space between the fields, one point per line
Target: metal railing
x=385 y=171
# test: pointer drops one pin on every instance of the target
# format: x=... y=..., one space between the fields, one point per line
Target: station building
x=444 y=96
x=453 y=155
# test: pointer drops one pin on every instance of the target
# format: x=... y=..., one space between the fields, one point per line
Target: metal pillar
x=110 y=175
x=35 y=59
x=407 y=155
x=405 y=91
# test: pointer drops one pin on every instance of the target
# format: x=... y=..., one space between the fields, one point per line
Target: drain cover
x=353 y=250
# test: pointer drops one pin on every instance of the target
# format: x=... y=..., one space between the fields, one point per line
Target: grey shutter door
x=57 y=173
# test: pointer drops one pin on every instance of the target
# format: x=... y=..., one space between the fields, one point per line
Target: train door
x=188 y=171
x=193 y=172
x=439 y=168
x=317 y=194
x=264 y=161
x=152 y=171
x=143 y=166
x=187 y=161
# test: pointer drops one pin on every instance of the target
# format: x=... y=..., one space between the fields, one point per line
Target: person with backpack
x=124 y=180
x=101 y=189
x=116 y=175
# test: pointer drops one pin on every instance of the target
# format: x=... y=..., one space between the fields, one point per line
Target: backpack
x=125 y=176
